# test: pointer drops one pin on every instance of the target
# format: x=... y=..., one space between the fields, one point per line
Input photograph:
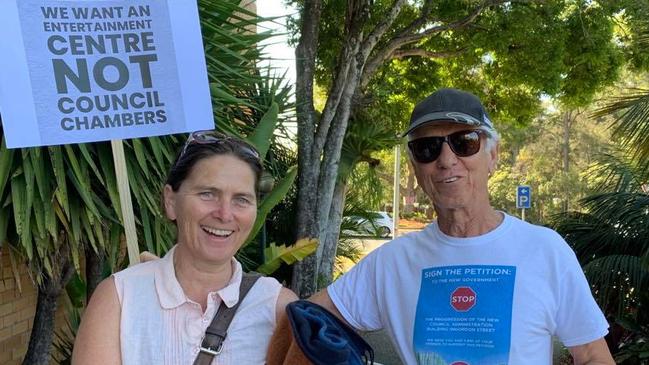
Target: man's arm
x=285 y=297
x=323 y=299
x=593 y=353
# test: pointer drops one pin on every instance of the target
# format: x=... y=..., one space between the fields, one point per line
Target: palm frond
x=631 y=125
x=616 y=281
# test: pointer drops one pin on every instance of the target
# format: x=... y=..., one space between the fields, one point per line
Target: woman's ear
x=169 y=198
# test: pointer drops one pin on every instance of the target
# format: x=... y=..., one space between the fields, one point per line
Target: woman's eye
x=243 y=201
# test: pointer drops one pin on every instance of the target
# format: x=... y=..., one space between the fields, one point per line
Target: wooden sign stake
x=126 y=204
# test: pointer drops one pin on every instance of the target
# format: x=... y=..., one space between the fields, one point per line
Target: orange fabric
x=283 y=350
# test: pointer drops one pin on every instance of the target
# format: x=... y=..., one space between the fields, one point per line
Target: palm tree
x=611 y=238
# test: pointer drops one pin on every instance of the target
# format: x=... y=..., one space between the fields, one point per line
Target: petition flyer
x=99 y=70
x=464 y=315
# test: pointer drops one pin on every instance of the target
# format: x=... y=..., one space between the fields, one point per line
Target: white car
x=379 y=224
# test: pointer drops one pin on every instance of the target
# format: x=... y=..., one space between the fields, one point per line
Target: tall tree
x=509 y=52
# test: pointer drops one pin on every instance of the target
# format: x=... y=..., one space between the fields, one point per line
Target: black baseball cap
x=449 y=105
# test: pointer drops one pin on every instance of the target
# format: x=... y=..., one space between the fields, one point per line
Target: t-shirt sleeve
x=355 y=295
x=579 y=320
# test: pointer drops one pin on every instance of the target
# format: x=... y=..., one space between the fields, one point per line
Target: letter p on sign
x=523 y=197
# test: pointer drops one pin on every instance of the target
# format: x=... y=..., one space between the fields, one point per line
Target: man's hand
x=147 y=256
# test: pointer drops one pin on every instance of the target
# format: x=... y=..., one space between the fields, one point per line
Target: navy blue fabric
x=324 y=339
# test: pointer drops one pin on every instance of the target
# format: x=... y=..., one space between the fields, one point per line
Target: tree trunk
x=330 y=243
x=304 y=271
x=321 y=166
x=409 y=191
x=567 y=120
x=42 y=335
x=94 y=270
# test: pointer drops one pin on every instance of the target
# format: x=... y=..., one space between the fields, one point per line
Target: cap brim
x=452 y=117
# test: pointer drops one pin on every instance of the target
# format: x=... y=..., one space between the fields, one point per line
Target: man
x=476 y=286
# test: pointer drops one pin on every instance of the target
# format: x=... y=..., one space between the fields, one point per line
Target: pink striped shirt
x=160 y=325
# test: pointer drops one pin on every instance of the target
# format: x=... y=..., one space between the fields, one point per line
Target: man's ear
x=493 y=160
x=169 y=197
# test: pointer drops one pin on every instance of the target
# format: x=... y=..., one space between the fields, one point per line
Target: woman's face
x=214 y=208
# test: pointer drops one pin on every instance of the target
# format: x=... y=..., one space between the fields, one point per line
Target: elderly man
x=476 y=286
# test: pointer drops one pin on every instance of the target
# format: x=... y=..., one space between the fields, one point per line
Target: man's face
x=454 y=182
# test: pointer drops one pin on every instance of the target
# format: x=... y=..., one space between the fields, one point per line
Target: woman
x=157 y=312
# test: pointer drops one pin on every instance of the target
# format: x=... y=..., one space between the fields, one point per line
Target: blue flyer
x=464 y=315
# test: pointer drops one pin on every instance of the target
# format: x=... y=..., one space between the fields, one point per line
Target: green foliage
x=631 y=125
x=368 y=132
x=634 y=349
x=534 y=157
x=611 y=235
x=272 y=199
x=594 y=57
x=276 y=255
x=261 y=137
x=512 y=54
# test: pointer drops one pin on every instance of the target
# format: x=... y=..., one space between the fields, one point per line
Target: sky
x=283 y=55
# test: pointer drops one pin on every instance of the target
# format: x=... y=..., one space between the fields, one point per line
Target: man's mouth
x=222 y=233
x=450 y=179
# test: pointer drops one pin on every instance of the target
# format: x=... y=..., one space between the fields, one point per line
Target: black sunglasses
x=214 y=137
x=462 y=143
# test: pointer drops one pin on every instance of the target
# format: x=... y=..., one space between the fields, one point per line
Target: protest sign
x=82 y=71
x=74 y=71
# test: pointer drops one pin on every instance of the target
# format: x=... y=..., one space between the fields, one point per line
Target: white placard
x=82 y=71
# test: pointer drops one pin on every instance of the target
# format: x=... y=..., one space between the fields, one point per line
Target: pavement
x=384 y=353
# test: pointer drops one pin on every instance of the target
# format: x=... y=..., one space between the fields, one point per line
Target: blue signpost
x=523 y=199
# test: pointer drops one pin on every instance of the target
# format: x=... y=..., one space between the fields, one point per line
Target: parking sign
x=523 y=197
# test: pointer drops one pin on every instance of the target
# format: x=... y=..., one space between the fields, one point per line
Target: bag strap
x=217 y=330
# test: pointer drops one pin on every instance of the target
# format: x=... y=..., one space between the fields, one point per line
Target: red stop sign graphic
x=463 y=299
x=460 y=363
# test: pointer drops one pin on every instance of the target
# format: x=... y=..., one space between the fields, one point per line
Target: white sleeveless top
x=160 y=325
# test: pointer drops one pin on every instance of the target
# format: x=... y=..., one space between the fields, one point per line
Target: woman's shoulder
x=98 y=335
x=268 y=280
x=268 y=288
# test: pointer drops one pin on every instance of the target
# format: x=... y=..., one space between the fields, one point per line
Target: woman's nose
x=222 y=210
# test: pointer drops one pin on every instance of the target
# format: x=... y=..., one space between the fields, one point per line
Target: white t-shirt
x=492 y=299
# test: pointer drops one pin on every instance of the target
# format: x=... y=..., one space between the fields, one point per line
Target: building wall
x=17 y=308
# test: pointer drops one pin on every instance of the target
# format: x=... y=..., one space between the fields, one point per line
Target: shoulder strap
x=217 y=330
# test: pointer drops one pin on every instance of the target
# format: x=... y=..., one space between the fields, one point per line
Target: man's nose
x=447 y=158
